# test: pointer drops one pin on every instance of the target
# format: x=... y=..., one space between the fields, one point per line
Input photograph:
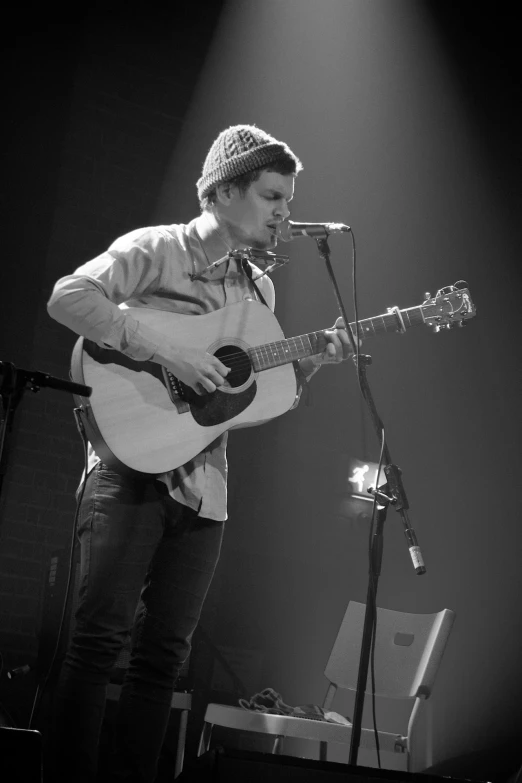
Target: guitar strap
x=247 y=269
x=302 y=381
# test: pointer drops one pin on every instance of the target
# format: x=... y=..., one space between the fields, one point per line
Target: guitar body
x=140 y=417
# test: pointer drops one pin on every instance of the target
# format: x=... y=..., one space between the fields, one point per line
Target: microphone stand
x=13 y=383
x=391 y=493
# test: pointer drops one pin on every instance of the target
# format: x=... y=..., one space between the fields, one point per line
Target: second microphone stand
x=13 y=383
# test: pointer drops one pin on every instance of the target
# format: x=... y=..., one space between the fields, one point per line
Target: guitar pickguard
x=220 y=406
x=238 y=393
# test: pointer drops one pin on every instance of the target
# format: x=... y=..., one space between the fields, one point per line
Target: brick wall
x=104 y=103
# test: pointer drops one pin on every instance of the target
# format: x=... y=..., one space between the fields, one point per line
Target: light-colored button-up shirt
x=152 y=267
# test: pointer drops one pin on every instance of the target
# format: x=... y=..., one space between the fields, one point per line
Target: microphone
x=289 y=230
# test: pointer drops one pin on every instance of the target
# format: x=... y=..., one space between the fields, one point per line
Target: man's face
x=251 y=218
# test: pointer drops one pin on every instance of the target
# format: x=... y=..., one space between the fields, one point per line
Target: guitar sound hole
x=239 y=362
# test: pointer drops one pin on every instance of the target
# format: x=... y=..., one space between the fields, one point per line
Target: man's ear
x=225 y=192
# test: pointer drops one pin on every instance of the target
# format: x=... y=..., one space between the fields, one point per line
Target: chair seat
x=302 y=728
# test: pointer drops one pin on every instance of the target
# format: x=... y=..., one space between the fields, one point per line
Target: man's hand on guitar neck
x=202 y=371
x=337 y=350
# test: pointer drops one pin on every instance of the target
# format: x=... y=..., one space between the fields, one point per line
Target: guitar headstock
x=450 y=307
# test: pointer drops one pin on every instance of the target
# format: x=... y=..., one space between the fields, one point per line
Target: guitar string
x=238 y=360
x=388 y=320
x=241 y=359
x=276 y=347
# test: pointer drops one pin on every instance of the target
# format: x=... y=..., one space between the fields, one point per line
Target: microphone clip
x=272 y=261
x=267 y=260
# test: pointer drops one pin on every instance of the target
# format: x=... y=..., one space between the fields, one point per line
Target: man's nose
x=282 y=210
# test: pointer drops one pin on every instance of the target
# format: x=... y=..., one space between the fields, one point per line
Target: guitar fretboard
x=264 y=357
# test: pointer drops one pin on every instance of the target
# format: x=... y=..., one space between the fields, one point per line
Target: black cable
x=374 y=606
x=374 y=712
x=44 y=681
x=372 y=576
x=355 y=307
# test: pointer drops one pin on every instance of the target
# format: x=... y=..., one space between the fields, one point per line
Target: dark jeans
x=146 y=564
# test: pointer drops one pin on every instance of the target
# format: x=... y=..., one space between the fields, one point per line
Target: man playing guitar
x=150 y=541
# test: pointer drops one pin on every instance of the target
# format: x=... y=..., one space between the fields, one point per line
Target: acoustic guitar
x=141 y=417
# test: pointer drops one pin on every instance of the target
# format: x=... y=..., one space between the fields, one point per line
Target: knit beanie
x=238 y=150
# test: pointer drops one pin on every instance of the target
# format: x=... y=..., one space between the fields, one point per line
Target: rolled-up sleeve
x=87 y=301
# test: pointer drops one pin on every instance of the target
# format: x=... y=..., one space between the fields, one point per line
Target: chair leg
x=204 y=741
x=278 y=745
x=180 y=750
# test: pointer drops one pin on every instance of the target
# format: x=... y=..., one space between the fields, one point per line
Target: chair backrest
x=408 y=651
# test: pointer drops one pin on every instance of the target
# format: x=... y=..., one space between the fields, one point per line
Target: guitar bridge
x=176 y=391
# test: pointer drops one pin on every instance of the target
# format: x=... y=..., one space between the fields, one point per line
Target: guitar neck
x=264 y=357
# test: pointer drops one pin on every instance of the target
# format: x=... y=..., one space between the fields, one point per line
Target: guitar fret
x=316 y=343
x=392 y=323
x=366 y=327
x=276 y=353
x=415 y=315
x=292 y=348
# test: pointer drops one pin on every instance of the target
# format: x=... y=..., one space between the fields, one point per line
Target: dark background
x=408 y=123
